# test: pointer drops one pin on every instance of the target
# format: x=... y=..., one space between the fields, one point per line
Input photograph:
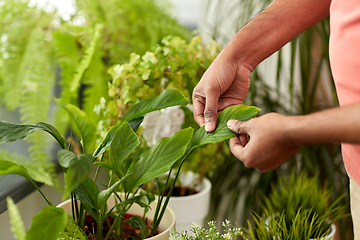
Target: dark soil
x=182 y=191
x=129 y=232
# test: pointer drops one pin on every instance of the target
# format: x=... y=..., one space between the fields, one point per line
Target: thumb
x=237 y=126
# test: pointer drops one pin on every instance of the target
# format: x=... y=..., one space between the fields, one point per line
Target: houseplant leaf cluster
x=175 y=63
x=125 y=174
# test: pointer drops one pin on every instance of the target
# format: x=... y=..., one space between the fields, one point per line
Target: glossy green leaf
x=222 y=132
x=66 y=158
x=83 y=122
x=10 y=132
x=137 y=222
x=123 y=143
x=7 y=167
x=136 y=113
x=104 y=195
x=17 y=225
x=47 y=224
x=87 y=193
x=78 y=171
x=161 y=157
x=104 y=164
x=105 y=143
x=168 y=98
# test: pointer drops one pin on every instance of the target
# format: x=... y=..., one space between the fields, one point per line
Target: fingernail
x=209 y=126
x=231 y=123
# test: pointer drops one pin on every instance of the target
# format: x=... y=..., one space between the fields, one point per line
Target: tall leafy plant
x=120 y=141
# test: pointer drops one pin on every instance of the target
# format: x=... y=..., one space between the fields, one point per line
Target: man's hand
x=225 y=83
x=269 y=144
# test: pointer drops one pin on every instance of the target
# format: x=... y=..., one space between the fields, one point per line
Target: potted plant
x=304 y=226
x=299 y=195
x=172 y=64
x=126 y=174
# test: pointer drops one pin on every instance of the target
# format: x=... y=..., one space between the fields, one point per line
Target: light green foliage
x=130 y=26
x=17 y=225
x=298 y=192
x=173 y=64
x=27 y=74
x=304 y=226
x=200 y=233
x=36 y=45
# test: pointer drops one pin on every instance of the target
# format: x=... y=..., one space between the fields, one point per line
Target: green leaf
x=82 y=121
x=135 y=114
x=17 y=225
x=66 y=158
x=104 y=164
x=222 y=132
x=123 y=143
x=138 y=222
x=161 y=157
x=7 y=167
x=168 y=98
x=104 y=195
x=47 y=224
x=10 y=132
x=87 y=193
x=78 y=171
x=105 y=143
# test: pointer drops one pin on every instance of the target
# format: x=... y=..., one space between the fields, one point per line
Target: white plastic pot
x=330 y=235
x=167 y=223
x=192 y=208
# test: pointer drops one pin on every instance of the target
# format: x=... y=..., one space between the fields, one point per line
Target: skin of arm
x=275 y=137
x=227 y=80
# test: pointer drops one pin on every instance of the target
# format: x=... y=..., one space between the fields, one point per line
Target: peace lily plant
x=126 y=175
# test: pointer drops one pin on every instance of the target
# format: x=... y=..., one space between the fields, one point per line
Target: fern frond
x=39 y=172
x=67 y=53
x=17 y=225
x=85 y=62
x=17 y=22
x=37 y=82
x=96 y=87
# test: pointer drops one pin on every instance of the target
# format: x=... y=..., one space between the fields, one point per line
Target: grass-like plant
x=304 y=226
x=297 y=192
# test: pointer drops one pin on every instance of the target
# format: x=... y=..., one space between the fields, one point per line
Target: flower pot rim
x=162 y=234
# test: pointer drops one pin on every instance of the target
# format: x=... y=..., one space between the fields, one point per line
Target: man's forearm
x=340 y=124
x=275 y=26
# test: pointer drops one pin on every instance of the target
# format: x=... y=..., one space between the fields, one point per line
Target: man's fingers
x=236 y=148
x=237 y=126
x=210 y=113
x=198 y=109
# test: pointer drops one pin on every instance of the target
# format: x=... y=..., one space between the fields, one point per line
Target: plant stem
x=42 y=194
x=98 y=168
x=156 y=221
